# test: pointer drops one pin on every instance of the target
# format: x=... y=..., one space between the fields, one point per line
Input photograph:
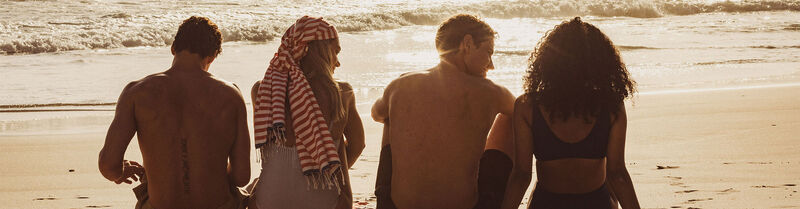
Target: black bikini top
x=546 y=146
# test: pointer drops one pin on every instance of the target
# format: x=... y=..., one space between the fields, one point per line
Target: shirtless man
x=438 y=119
x=191 y=126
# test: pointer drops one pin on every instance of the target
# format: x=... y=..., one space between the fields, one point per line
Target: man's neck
x=452 y=64
x=189 y=62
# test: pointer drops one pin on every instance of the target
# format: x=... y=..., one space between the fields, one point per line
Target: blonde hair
x=317 y=65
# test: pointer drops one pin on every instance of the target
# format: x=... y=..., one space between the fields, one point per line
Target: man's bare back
x=440 y=119
x=187 y=123
x=191 y=126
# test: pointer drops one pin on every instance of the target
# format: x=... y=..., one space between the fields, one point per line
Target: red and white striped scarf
x=319 y=160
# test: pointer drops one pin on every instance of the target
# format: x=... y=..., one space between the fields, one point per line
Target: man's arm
x=380 y=110
x=523 y=141
x=383 y=180
x=119 y=135
x=239 y=161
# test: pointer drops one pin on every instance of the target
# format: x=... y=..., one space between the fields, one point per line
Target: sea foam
x=52 y=26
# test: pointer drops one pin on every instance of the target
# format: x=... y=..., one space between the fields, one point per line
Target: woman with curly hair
x=572 y=119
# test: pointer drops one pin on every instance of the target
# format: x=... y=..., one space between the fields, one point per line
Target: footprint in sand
x=697 y=200
x=98 y=206
x=661 y=167
x=727 y=191
x=686 y=191
x=82 y=197
x=675 y=180
x=764 y=186
x=45 y=198
x=676 y=183
x=770 y=186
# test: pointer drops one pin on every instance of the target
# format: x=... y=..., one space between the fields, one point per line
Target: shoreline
x=732 y=148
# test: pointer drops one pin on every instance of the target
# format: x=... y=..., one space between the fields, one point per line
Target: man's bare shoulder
x=414 y=75
x=162 y=80
x=227 y=86
x=142 y=84
x=409 y=78
x=496 y=89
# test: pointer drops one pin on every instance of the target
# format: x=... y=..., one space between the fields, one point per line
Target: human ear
x=208 y=60
x=172 y=49
x=466 y=43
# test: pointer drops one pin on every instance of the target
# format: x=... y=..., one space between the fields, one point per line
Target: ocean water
x=64 y=61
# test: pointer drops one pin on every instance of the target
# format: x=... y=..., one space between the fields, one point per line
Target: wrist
x=121 y=172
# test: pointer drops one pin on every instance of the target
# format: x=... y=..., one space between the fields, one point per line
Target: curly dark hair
x=200 y=36
x=576 y=71
x=453 y=30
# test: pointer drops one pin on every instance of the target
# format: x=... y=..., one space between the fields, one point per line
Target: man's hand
x=130 y=170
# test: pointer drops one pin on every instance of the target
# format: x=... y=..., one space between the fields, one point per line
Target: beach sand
x=729 y=148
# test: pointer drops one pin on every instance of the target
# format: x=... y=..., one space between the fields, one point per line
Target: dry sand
x=733 y=148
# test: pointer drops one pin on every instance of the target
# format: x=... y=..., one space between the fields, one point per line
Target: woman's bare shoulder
x=344 y=86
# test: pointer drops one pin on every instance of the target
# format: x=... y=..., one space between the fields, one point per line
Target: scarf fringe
x=331 y=177
x=276 y=134
x=326 y=180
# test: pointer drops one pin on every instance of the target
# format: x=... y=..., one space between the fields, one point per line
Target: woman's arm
x=617 y=175
x=254 y=94
x=523 y=141
x=353 y=130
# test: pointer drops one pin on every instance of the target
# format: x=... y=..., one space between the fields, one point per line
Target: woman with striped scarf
x=301 y=119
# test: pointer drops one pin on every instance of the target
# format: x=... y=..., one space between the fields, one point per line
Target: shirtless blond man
x=192 y=129
x=438 y=120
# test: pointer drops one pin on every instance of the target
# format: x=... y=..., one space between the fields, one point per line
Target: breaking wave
x=135 y=29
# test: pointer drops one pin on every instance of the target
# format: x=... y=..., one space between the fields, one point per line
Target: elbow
x=107 y=166
x=377 y=117
x=239 y=175
x=240 y=180
x=378 y=113
x=358 y=147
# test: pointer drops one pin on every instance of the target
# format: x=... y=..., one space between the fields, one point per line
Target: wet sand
x=731 y=148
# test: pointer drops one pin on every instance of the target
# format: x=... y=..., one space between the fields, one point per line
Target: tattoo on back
x=185 y=159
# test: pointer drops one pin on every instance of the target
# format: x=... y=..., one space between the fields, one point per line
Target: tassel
x=338 y=187
x=308 y=184
x=341 y=177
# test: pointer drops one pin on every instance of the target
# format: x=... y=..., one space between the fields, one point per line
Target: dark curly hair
x=200 y=36
x=576 y=71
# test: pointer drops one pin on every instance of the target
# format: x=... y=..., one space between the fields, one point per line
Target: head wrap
x=284 y=80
